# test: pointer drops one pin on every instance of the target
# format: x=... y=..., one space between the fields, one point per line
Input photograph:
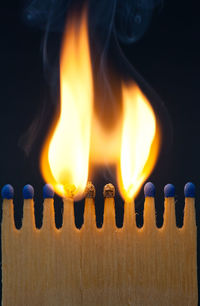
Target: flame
x=105 y=145
x=78 y=137
x=65 y=156
x=140 y=142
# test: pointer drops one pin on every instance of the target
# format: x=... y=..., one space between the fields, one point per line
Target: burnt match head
x=169 y=191
x=109 y=191
x=149 y=190
x=7 y=192
x=28 y=192
x=90 y=191
x=48 y=192
x=189 y=190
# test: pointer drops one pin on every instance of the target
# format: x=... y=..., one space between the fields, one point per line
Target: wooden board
x=107 y=266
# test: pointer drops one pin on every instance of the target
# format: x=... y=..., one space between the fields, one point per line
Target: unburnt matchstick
x=147 y=266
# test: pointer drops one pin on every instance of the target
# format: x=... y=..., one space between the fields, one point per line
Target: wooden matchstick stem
x=90 y=253
x=108 y=266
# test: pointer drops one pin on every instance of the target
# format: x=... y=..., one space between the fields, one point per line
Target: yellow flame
x=65 y=156
x=140 y=142
x=132 y=145
x=105 y=145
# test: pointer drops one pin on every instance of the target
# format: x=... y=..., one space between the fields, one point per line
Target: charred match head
x=90 y=191
x=109 y=191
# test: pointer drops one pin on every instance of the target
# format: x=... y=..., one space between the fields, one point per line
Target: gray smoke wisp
x=131 y=18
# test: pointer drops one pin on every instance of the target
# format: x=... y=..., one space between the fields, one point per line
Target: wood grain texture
x=108 y=266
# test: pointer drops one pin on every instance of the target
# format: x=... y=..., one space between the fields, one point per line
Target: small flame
x=65 y=156
x=140 y=142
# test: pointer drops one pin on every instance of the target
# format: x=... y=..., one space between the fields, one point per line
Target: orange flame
x=65 y=156
x=140 y=142
x=132 y=145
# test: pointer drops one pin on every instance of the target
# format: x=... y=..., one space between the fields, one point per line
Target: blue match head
x=48 y=192
x=7 y=192
x=28 y=192
x=189 y=190
x=169 y=191
x=149 y=190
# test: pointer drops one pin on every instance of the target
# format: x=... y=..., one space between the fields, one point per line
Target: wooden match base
x=99 y=267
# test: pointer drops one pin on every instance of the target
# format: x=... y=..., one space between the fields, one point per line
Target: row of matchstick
x=107 y=266
x=7 y=191
x=109 y=207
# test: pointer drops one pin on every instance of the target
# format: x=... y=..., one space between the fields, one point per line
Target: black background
x=167 y=56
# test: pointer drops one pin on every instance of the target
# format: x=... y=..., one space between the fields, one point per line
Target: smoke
x=125 y=21
x=133 y=18
x=130 y=18
x=45 y=14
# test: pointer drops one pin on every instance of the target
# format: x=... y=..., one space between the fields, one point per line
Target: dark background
x=167 y=56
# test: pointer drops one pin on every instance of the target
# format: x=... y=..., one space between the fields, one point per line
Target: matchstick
x=18 y=262
x=90 y=251
x=106 y=266
x=39 y=266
